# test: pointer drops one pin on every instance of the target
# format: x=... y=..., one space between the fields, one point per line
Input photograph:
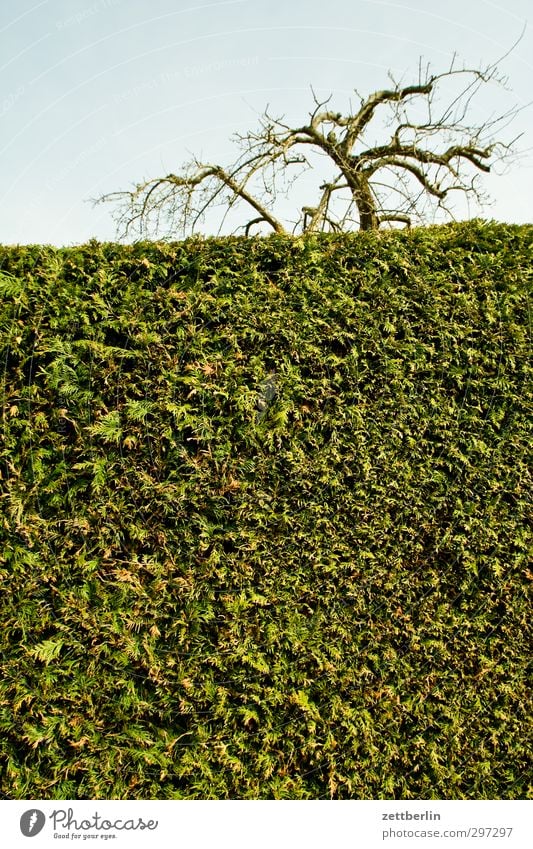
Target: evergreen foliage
x=327 y=600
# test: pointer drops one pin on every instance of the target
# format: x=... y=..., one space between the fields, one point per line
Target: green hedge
x=318 y=593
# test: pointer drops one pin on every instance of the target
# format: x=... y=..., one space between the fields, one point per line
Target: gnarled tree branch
x=423 y=160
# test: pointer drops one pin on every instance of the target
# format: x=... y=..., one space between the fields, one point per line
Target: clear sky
x=97 y=94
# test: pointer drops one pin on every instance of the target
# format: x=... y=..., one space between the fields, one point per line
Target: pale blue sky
x=96 y=94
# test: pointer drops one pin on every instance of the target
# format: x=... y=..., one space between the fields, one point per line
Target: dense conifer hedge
x=263 y=525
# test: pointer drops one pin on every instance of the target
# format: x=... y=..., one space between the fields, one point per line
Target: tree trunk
x=366 y=207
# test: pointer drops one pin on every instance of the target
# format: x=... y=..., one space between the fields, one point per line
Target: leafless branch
x=399 y=179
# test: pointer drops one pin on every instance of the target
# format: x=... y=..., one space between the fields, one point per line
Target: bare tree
x=420 y=153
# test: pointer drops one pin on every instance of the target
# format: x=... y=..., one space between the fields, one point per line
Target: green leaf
x=48 y=650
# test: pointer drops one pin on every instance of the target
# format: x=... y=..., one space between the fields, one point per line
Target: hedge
x=264 y=526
